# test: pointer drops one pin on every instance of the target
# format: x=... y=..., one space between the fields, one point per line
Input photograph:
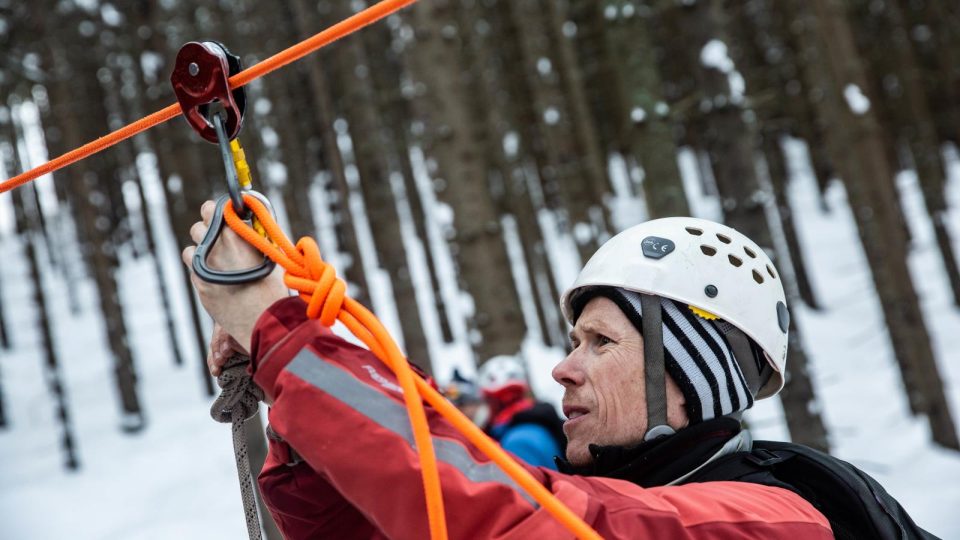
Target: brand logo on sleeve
x=381 y=380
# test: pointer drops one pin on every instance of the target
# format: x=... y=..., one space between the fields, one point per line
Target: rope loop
x=239 y=397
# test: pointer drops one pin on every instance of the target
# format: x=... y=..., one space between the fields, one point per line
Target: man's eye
x=603 y=340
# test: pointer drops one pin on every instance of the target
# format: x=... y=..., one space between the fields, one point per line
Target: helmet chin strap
x=654 y=368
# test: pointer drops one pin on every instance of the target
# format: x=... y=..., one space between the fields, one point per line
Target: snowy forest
x=458 y=162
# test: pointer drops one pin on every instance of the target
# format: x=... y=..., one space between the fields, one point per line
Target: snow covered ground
x=176 y=479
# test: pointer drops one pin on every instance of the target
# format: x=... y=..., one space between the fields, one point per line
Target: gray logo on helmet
x=783 y=317
x=655 y=247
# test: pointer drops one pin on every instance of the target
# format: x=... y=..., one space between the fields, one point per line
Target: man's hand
x=222 y=347
x=234 y=307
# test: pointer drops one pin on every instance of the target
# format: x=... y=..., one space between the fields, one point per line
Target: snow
x=715 y=55
x=511 y=144
x=701 y=203
x=176 y=479
x=544 y=66
x=626 y=208
x=856 y=100
x=551 y=116
x=521 y=275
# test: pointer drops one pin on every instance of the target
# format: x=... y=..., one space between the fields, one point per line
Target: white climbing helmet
x=704 y=264
x=501 y=372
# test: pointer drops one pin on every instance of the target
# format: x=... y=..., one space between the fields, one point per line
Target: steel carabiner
x=217 y=222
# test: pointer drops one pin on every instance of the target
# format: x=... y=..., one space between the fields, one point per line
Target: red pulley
x=201 y=77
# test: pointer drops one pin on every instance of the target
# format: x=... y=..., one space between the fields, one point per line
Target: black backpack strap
x=754 y=467
x=856 y=505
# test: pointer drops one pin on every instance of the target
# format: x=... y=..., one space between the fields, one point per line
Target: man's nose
x=568 y=372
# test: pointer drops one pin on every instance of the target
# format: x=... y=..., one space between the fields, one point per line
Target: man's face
x=604 y=396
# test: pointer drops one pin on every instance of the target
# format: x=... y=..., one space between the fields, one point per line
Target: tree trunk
x=4 y=334
x=25 y=207
x=331 y=158
x=62 y=244
x=731 y=143
x=869 y=179
x=933 y=31
x=455 y=139
x=396 y=114
x=508 y=180
x=776 y=165
x=627 y=86
x=574 y=175
x=176 y=157
x=359 y=98
x=581 y=122
x=767 y=65
x=90 y=201
x=132 y=76
x=161 y=277
x=906 y=104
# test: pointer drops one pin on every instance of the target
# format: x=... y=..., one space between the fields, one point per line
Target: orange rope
x=326 y=299
x=93 y=147
x=292 y=53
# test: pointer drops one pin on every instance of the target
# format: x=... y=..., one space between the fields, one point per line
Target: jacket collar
x=666 y=460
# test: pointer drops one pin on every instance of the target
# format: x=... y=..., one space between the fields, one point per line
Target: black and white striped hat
x=697 y=354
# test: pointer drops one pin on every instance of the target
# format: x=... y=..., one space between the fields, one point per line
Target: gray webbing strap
x=743 y=354
x=656 y=383
x=239 y=400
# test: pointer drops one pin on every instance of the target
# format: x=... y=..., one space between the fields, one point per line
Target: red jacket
x=342 y=411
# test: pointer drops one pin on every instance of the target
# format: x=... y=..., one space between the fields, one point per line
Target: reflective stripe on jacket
x=343 y=413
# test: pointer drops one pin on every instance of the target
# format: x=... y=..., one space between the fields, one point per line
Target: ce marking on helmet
x=655 y=247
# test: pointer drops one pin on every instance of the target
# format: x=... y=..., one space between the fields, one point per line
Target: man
x=641 y=405
x=527 y=428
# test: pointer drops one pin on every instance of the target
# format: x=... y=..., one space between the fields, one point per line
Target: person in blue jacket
x=529 y=429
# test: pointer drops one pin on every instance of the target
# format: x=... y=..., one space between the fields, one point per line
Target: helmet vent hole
x=724 y=239
x=749 y=252
x=757 y=276
x=770 y=271
x=694 y=231
x=734 y=260
x=708 y=250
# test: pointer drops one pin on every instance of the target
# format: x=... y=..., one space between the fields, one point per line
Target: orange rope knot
x=329 y=293
x=307 y=272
